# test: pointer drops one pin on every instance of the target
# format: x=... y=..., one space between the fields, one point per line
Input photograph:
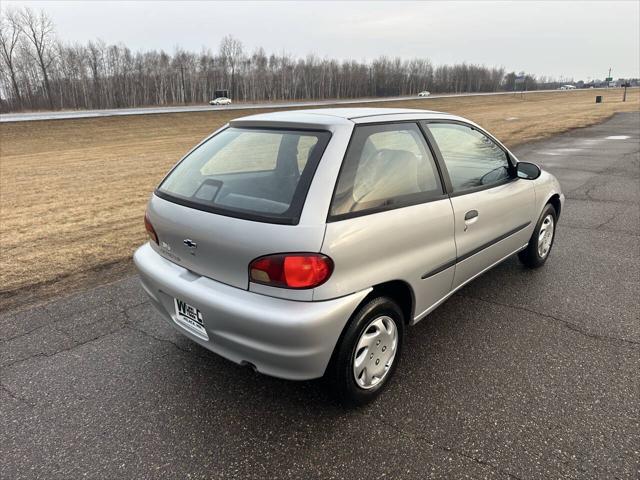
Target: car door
x=390 y=219
x=493 y=209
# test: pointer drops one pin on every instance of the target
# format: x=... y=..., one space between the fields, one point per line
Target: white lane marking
x=617 y=137
x=561 y=151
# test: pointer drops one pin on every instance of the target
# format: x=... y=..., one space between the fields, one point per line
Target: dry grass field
x=73 y=192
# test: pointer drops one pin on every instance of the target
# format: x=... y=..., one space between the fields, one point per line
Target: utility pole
x=609 y=78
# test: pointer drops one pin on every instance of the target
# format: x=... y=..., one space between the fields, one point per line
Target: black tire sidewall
x=348 y=391
x=533 y=258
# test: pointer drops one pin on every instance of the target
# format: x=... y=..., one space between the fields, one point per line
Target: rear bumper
x=282 y=338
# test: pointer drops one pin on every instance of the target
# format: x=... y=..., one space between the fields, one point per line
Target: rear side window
x=386 y=166
x=472 y=159
x=260 y=174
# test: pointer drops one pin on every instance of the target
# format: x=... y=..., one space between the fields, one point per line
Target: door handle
x=470 y=215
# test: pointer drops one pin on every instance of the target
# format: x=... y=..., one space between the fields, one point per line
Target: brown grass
x=73 y=192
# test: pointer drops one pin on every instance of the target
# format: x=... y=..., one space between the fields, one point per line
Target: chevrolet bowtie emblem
x=190 y=243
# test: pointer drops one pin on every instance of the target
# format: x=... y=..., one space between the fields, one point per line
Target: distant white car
x=220 y=101
x=567 y=87
x=424 y=94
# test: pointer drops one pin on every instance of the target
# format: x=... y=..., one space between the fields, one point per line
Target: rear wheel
x=368 y=353
x=541 y=241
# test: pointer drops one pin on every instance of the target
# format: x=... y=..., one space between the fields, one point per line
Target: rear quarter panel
x=401 y=244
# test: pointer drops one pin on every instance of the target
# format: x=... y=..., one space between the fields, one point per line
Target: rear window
x=259 y=174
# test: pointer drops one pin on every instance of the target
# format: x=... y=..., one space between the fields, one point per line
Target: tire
x=539 y=247
x=381 y=315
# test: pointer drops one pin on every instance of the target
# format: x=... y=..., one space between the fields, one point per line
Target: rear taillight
x=149 y=228
x=291 y=270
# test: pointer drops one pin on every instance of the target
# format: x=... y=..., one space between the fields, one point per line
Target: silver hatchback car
x=303 y=243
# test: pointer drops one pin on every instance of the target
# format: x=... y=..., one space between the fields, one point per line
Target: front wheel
x=541 y=241
x=368 y=353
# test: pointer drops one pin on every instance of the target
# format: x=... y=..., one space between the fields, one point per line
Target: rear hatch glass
x=253 y=173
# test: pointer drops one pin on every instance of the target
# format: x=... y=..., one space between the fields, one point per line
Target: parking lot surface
x=521 y=374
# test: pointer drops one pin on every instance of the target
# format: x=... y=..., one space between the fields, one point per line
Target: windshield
x=259 y=174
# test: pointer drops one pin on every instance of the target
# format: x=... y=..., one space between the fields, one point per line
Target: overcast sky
x=571 y=39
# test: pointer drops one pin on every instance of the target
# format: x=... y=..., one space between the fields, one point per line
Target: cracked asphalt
x=522 y=374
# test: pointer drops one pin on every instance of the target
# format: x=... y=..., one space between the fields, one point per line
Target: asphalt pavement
x=521 y=374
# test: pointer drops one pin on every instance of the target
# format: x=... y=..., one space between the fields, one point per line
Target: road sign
x=608 y=79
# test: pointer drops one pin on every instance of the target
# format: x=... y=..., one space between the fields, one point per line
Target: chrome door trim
x=419 y=317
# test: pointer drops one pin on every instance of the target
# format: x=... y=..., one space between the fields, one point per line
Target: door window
x=472 y=159
x=386 y=166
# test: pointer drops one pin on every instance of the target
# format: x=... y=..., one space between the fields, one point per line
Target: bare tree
x=95 y=53
x=10 y=34
x=231 y=53
x=39 y=30
x=37 y=71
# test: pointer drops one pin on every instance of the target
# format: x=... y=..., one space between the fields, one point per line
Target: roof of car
x=328 y=116
x=360 y=112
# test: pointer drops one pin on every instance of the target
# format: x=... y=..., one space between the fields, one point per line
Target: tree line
x=40 y=71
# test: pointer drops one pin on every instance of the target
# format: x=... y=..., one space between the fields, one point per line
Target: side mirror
x=528 y=171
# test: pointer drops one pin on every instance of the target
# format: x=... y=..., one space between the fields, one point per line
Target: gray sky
x=571 y=39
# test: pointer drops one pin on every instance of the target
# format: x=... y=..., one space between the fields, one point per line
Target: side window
x=472 y=159
x=385 y=165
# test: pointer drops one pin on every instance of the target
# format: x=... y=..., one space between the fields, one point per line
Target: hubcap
x=375 y=352
x=545 y=236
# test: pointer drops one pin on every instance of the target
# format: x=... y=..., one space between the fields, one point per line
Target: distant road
x=71 y=114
